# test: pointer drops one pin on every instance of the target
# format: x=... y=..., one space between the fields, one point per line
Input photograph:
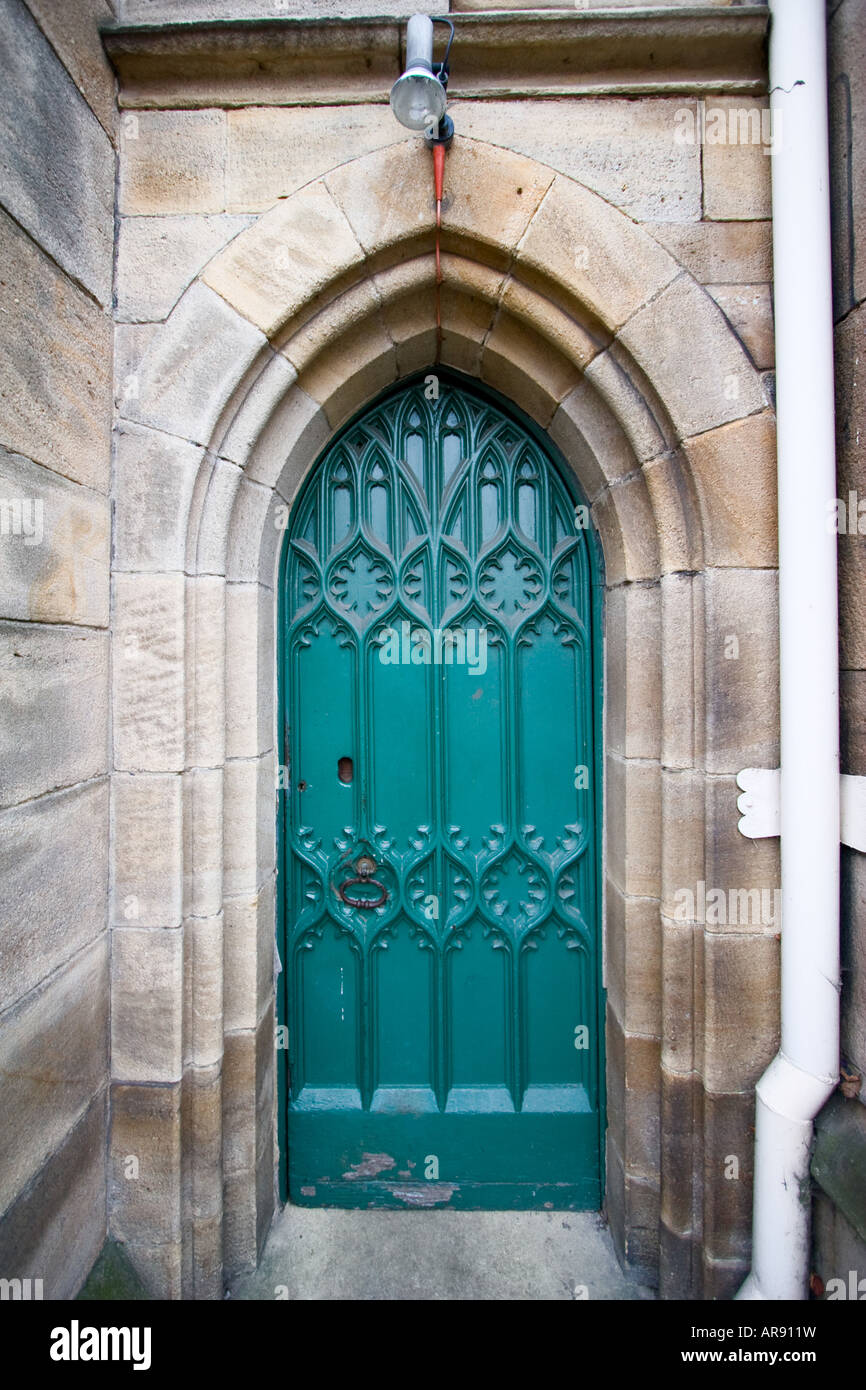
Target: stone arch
x=573 y=311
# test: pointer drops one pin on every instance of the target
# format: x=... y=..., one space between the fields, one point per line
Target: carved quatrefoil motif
x=510 y=583
x=361 y=584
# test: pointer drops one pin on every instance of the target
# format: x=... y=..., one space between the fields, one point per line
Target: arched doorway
x=438 y=884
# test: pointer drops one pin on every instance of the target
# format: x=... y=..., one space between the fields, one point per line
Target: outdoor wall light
x=418 y=98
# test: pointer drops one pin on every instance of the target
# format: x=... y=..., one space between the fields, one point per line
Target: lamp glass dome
x=418 y=99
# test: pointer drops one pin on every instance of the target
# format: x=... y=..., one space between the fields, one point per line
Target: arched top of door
x=551 y=296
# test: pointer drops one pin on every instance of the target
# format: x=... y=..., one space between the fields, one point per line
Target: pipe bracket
x=760 y=805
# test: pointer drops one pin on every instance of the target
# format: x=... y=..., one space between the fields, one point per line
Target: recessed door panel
x=439 y=866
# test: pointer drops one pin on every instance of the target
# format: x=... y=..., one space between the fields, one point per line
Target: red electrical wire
x=438 y=180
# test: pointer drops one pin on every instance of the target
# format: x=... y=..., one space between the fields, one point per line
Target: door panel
x=439 y=866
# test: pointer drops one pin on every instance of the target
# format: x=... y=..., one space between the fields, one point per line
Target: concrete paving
x=317 y=1253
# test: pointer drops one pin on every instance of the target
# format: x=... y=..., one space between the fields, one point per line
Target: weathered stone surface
x=155 y=474
x=273 y=151
x=55 y=1229
x=166 y=11
x=624 y=150
x=680 y=1271
x=624 y=517
x=850 y=354
x=265 y=1121
x=201 y=1191
x=54 y=865
x=680 y=1116
x=53 y=1060
x=636 y=1061
x=241 y=930
x=682 y=670
x=622 y=389
x=852 y=714
x=601 y=259
x=839 y=1156
x=633 y=677
x=633 y=798
x=556 y=327
x=854 y=959
x=734 y=253
x=248 y=1160
x=210 y=522
x=837 y=1247
x=469 y=5
x=239 y=1104
x=171 y=162
x=734 y=469
x=250 y=643
x=633 y=958
x=54 y=546
x=682 y=834
x=131 y=341
x=54 y=694
x=286 y=258
x=145 y=1126
x=491 y=195
x=742 y=687
x=248 y=827
x=158 y=257
x=263 y=399
x=192 y=367
x=146 y=1004
x=676 y=515
x=55 y=388
x=527 y=370
x=682 y=1025
x=741 y=1018
x=148 y=673
x=202 y=854
x=852 y=602
x=73 y=30
x=146 y=820
x=592 y=439
x=266 y=972
x=728 y=1133
x=737 y=170
x=240 y=1244
x=357 y=307
x=353 y=372
x=722 y=1278
x=292 y=439
x=256 y=535
x=469 y=303
x=747 y=872
x=203 y=991
x=846 y=58
x=704 y=377
x=749 y=310
x=56 y=161
x=204 y=692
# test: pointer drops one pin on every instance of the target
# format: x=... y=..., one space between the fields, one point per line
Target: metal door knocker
x=365 y=866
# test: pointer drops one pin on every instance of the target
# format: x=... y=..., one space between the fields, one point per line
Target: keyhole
x=345 y=770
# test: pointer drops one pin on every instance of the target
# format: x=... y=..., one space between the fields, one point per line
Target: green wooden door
x=439 y=869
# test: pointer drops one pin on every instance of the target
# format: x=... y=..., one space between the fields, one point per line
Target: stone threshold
x=293 y=62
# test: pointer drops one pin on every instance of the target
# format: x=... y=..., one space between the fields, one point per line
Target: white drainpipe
x=804 y=1073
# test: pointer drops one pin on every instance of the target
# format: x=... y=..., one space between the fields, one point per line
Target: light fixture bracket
x=419 y=96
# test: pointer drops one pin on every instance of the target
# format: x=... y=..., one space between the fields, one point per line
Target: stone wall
x=57 y=177
x=310 y=216
x=840 y=1224
x=274 y=272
